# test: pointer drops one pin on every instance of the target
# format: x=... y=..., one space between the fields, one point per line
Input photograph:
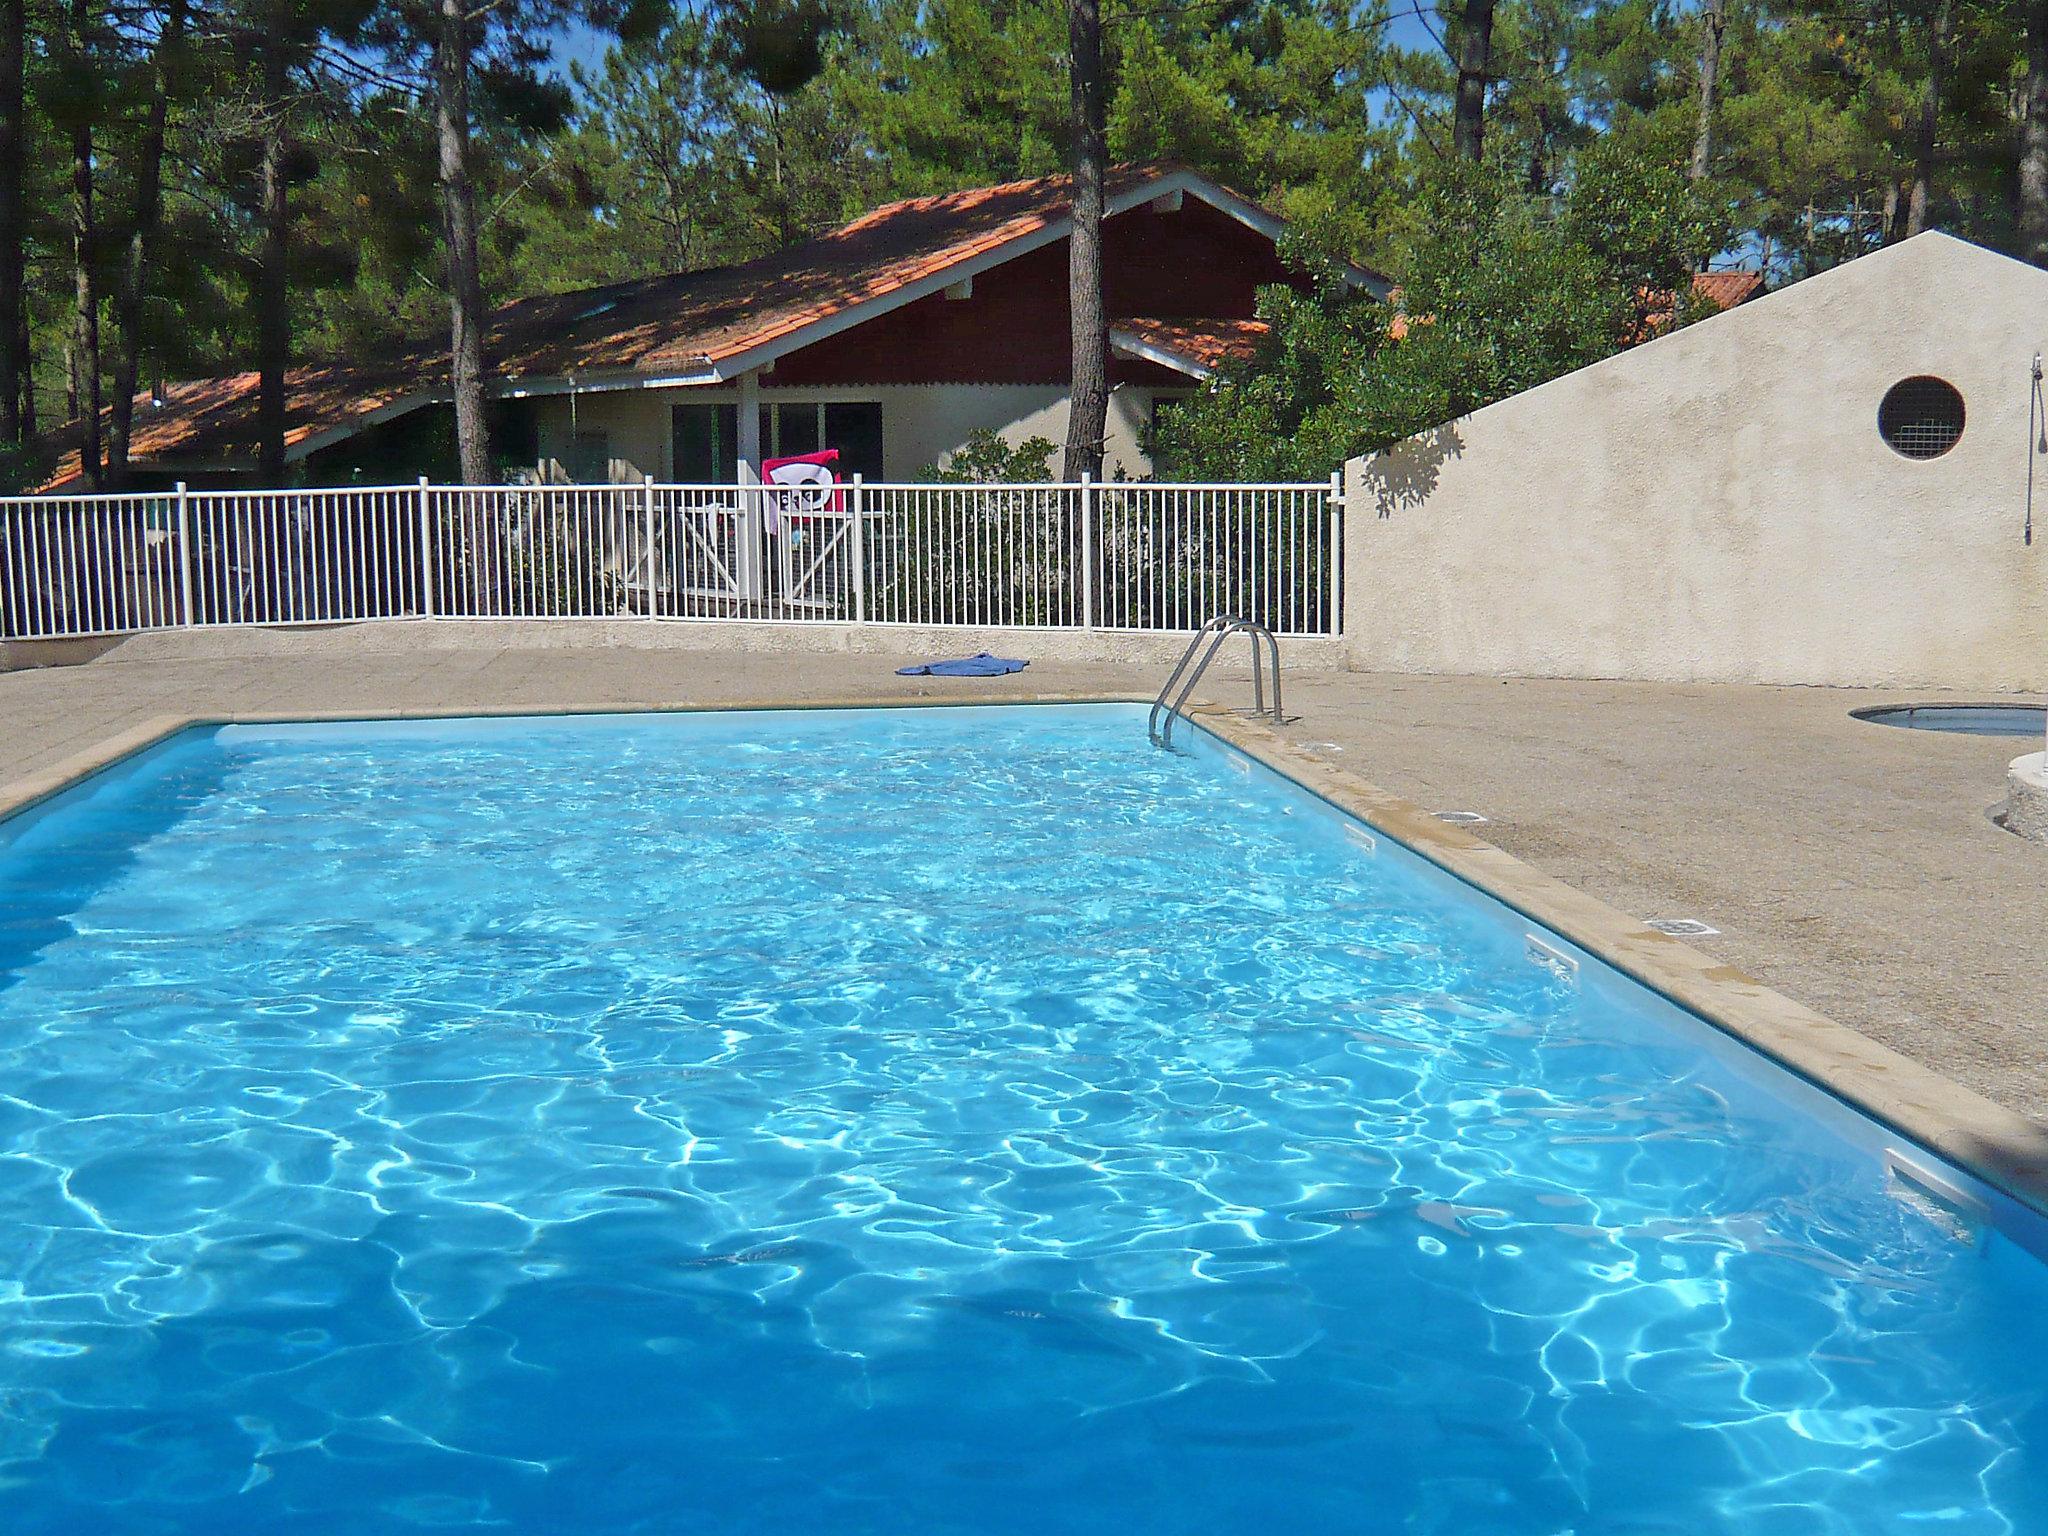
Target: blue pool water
x=1962 y=719
x=950 y=1121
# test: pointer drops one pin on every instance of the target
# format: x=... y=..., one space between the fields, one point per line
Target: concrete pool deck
x=1851 y=866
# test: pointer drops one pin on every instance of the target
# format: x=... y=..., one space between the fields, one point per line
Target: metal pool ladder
x=1188 y=671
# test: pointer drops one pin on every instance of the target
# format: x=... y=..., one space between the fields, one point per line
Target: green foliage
x=1502 y=292
x=712 y=134
x=961 y=92
x=20 y=467
x=686 y=161
x=987 y=459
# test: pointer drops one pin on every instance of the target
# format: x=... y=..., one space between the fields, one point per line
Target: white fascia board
x=315 y=441
x=519 y=387
x=1127 y=345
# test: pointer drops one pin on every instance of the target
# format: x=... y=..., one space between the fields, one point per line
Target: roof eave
x=1129 y=344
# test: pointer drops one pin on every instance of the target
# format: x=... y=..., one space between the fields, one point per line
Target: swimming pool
x=964 y=1120
x=1961 y=719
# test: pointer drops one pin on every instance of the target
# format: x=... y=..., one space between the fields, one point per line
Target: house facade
x=892 y=339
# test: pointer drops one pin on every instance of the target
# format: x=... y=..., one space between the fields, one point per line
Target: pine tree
x=451 y=48
x=1088 y=393
x=13 y=233
x=166 y=55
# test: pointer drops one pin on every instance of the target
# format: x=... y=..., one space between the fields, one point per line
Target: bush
x=986 y=459
x=1502 y=291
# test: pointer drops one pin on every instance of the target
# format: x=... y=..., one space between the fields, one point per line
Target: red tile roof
x=1201 y=346
x=200 y=417
x=1724 y=289
x=683 y=323
x=1728 y=289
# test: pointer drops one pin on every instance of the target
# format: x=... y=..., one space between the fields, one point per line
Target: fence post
x=1087 y=550
x=185 y=554
x=1336 y=561
x=647 y=564
x=426 y=555
x=860 y=555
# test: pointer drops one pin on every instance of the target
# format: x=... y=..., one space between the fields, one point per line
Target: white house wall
x=922 y=424
x=1719 y=506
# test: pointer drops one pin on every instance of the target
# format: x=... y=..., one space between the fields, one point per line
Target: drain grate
x=1681 y=927
x=1461 y=818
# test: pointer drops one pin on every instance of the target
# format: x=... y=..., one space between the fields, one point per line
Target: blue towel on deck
x=981 y=665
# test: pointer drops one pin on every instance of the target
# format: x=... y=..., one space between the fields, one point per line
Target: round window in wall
x=1921 y=418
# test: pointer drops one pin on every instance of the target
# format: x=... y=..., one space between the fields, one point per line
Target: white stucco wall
x=921 y=423
x=1718 y=505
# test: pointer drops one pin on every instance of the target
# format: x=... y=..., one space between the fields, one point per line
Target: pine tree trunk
x=1088 y=395
x=1475 y=61
x=25 y=350
x=1714 y=27
x=1927 y=139
x=149 y=163
x=13 y=152
x=1539 y=178
x=85 y=330
x=459 y=221
x=785 y=231
x=2034 y=140
x=273 y=290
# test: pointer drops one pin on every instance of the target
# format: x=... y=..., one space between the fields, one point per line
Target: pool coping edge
x=1998 y=1145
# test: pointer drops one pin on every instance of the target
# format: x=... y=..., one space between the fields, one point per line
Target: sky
x=576 y=43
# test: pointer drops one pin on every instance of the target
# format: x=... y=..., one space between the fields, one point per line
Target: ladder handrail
x=1187 y=672
x=1186 y=656
x=1233 y=627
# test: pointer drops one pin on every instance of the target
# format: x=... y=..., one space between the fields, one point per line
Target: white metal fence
x=1138 y=556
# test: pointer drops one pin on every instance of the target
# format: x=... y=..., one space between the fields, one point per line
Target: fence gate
x=811 y=528
x=707 y=558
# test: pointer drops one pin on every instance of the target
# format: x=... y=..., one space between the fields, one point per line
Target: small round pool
x=1963 y=719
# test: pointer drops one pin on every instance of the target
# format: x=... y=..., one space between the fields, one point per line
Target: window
x=855 y=429
x=590 y=457
x=707 y=444
x=793 y=428
x=707 y=437
x=1921 y=418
